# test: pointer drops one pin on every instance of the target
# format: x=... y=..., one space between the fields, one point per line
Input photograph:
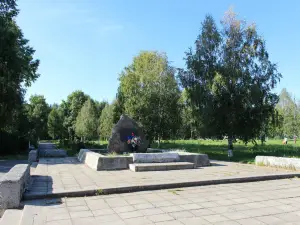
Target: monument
x=127 y=136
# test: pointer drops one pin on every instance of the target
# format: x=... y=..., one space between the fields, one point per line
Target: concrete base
x=155 y=157
x=197 y=159
x=114 y=162
x=139 y=167
x=12 y=186
x=99 y=162
x=282 y=162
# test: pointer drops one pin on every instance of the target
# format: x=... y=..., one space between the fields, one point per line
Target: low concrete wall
x=97 y=161
x=197 y=159
x=32 y=156
x=12 y=186
x=155 y=157
x=55 y=153
x=282 y=162
x=114 y=162
x=89 y=158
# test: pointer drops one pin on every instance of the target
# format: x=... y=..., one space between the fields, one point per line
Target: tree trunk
x=230 y=145
x=158 y=141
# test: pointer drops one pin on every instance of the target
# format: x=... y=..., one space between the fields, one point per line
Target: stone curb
x=119 y=190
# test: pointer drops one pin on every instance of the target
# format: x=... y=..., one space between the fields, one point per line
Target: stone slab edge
x=281 y=162
x=12 y=186
x=97 y=161
x=150 y=187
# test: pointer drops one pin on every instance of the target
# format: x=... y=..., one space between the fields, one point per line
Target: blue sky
x=85 y=44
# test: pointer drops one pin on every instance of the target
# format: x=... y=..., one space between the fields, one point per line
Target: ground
x=267 y=202
x=219 y=194
x=62 y=175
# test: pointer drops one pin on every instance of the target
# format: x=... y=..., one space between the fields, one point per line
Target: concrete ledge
x=55 y=153
x=98 y=161
x=196 y=158
x=114 y=162
x=32 y=156
x=139 y=167
x=282 y=162
x=12 y=186
x=155 y=157
x=89 y=158
x=127 y=189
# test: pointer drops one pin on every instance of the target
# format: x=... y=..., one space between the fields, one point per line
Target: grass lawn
x=215 y=149
x=241 y=153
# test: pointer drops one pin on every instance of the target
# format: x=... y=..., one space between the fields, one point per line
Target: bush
x=12 y=144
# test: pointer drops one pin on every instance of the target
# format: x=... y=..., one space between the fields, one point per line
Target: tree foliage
x=86 y=121
x=55 y=123
x=71 y=108
x=106 y=121
x=191 y=126
x=37 y=113
x=150 y=94
x=229 y=78
x=18 y=68
x=289 y=113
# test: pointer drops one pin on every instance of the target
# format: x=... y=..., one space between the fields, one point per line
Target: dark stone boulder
x=124 y=128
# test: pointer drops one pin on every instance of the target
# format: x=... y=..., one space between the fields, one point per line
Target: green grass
x=217 y=149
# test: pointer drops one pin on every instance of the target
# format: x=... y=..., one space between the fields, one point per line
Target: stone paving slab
x=58 y=177
x=266 y=202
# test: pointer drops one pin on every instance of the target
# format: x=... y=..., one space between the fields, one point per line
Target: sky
x=85 y=44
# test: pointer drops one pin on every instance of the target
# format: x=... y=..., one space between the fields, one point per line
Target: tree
x=289 y=111
x=18 y=69
x=229 y=79
x=100 y=106
x=55 y=123
x=189 y=128
x=86 y=121
x=37 y=112
x=150 y=94
x=71 y=108
x=106 y=121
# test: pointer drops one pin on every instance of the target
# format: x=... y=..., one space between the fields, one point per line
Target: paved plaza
x=266 y=202
x=62 y=175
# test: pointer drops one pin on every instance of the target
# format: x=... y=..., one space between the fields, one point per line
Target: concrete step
x=138 y=167
x=11 y=217
x=33 y=214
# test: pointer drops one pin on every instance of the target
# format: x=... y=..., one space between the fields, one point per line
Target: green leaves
x=229 y=79
x=55 y=121
x=17 y=66
x=86 y=121
x=149 y=93
x=37 y=113
x=106 y=121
